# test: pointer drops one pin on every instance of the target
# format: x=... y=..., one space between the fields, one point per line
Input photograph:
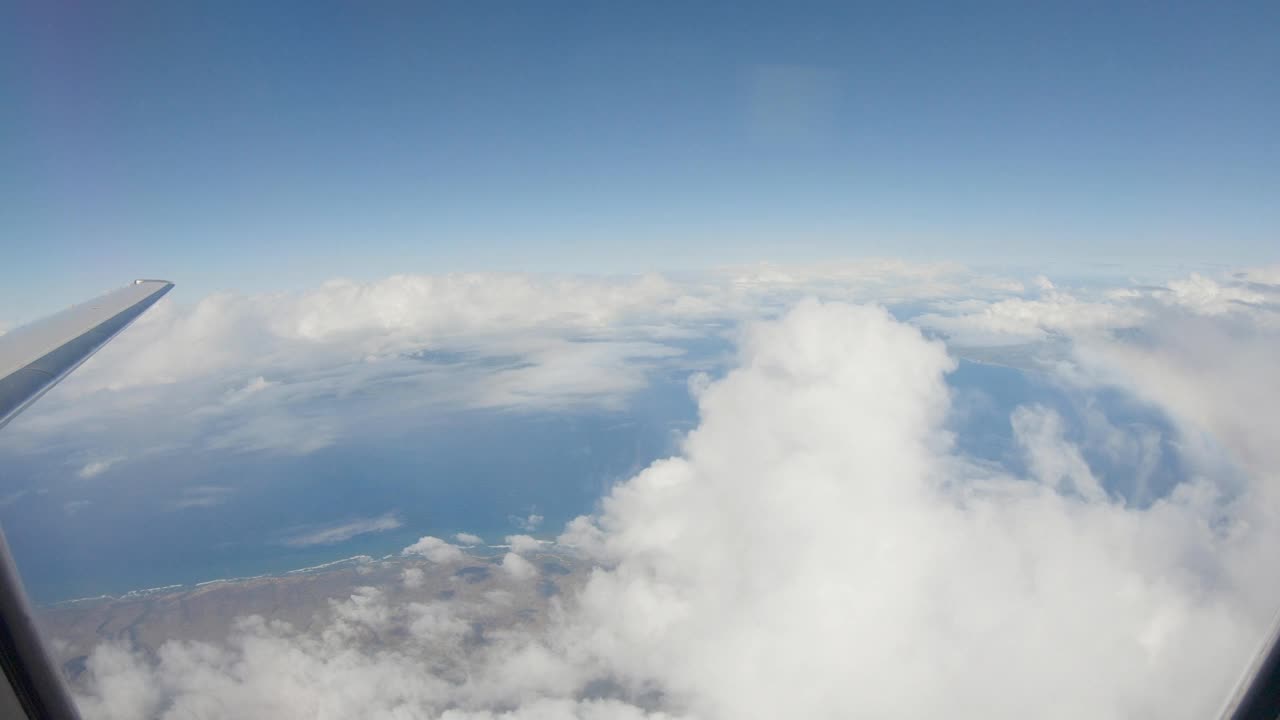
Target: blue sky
x=256 y=145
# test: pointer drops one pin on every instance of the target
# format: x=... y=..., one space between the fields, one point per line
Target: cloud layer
x=820 y=548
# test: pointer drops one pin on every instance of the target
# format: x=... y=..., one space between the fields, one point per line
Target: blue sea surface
x=476 y=471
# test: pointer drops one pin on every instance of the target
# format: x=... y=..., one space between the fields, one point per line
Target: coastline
x=480 y=551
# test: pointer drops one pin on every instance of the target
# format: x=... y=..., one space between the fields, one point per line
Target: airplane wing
x=1258 y=696
x=33 y=359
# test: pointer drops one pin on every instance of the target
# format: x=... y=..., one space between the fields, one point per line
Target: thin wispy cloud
x=97 y=467
x=528 y=523
x=343 y=531
x=204 y=496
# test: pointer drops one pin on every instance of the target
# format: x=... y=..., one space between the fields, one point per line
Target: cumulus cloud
x=435 y=550
x=1090 y=313
x=820 y=548
x=1053 y=461
x=346 y=321
x=837 y=536
x=518 y=567
x=1207 y=297
x=1215 y=375
x=523 y=544
x=344 y=531
x=294 y=373
x=413 y=577
x=468 y=539
x=1021 y=320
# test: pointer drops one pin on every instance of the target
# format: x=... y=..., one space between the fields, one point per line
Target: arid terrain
x=305 y=599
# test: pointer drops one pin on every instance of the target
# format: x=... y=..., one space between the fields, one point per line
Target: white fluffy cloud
x=1021 y=320
x=294 y=373
x=819 y=533
x=1089 y=313
x=413 y=577
x=518 y=567
x=1207 y=297
x=523 y=544
x=819 y=548
x=1052 y=460
x=435 y=550
x=347 y=322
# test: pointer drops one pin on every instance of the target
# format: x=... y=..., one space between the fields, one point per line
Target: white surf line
x=136 y=594
x=150 y=591
x=353 y=558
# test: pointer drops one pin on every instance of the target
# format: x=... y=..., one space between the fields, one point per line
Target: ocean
x=484 y=472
